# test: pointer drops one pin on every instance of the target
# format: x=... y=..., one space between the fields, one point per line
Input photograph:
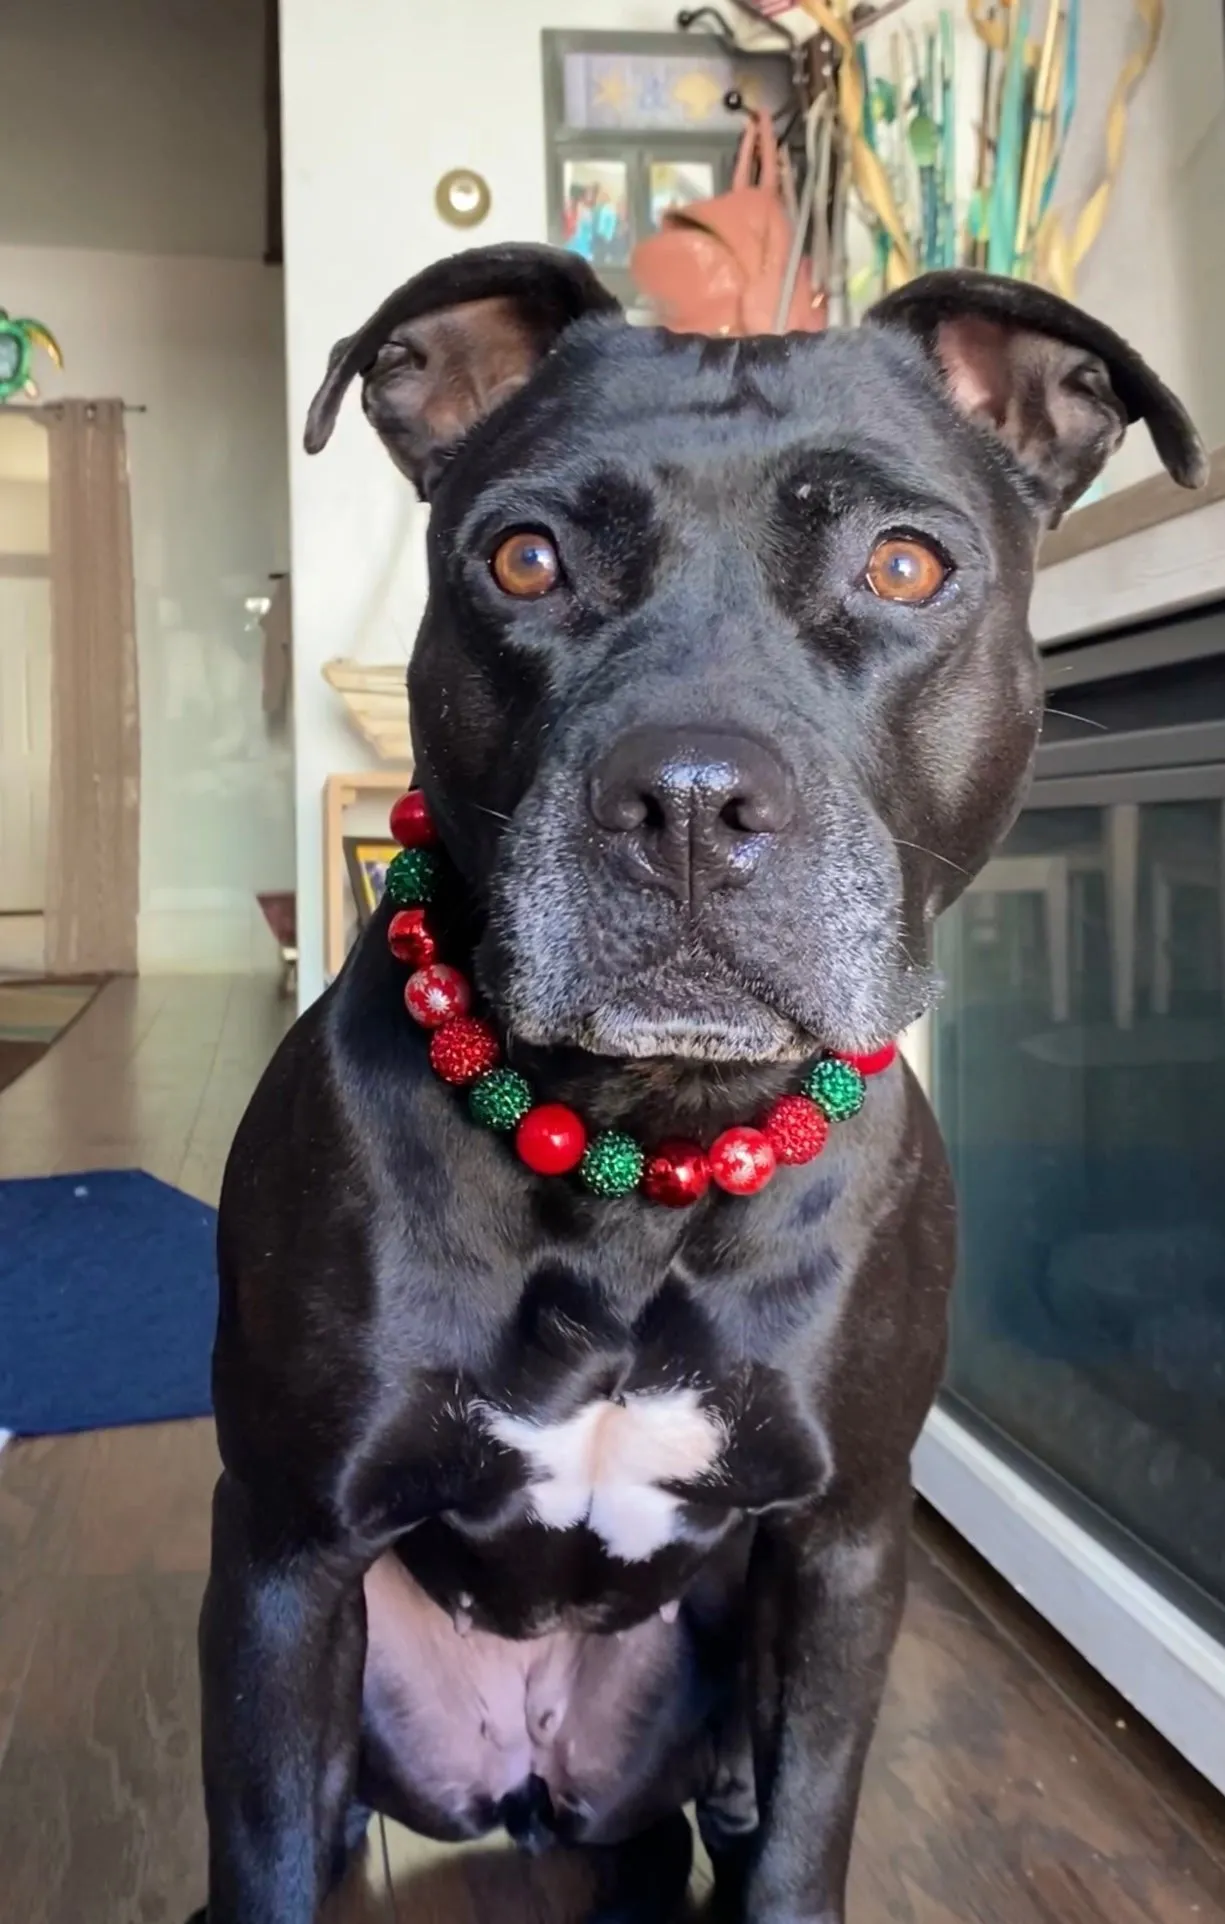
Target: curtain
x=93 y=830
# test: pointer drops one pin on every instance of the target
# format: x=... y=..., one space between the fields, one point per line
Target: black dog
x=558 y=1512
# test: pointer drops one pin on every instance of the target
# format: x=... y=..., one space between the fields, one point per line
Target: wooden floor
x=1007 y=1785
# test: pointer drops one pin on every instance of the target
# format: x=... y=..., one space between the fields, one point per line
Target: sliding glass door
x=1079 y=1075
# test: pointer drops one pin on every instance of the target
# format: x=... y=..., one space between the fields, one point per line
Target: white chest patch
x=603 y=1465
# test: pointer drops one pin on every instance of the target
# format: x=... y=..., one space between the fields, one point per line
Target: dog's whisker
x=934 y=853
x=495 y=812
x=1088 y=721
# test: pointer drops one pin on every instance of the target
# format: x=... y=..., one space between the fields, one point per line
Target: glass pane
x=1169 y=695
x=1080 y=1081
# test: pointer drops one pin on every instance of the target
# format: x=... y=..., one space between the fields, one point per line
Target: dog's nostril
x=653 y=815
x=741 y=815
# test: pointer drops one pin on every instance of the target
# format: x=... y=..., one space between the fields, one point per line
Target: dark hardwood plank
x=990 y=1797
x=1164 y=1770
x=146 y=1500
x=100 y=1807
x=41 y=1489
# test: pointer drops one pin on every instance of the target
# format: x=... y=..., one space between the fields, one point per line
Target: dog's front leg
x=827 y=1606
x=282 y=1650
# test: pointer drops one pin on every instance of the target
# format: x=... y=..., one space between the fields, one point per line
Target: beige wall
x=133 y=125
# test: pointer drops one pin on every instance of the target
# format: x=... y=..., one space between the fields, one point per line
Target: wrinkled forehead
x=855 y=408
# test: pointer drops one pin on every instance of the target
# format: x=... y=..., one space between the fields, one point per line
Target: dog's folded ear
x=450 y=345
x=1058 y=387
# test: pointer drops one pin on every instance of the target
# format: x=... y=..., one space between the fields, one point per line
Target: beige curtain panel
x=93 y=834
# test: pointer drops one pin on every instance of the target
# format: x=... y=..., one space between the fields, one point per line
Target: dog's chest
x=622 y=1465
x=641 y=1433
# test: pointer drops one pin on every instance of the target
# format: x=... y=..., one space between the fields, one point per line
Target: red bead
x=796 y=1128
x=551 y=1139
x=677 y=1173
x=411 y=821
x=410 y=938
x=742 y=1161
x=464 y=1049
x=435 y=995
x=875 y=1061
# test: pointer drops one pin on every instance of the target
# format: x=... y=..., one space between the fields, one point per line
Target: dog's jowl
x=561 y=1495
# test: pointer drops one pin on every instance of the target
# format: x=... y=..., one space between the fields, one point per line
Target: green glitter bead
x=412 y=877
x=500 y=1100
x=613 y=1164
x=837 y=1089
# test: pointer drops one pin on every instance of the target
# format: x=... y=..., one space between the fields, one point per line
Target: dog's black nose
x=692 y=811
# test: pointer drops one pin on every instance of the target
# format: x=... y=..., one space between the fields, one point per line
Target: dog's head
x=725 y=687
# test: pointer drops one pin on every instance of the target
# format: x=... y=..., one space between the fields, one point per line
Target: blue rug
x=108 y=1298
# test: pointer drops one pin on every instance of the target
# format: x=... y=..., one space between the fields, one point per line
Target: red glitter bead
x=436 y=995
x=677 y=1173
x=410 y=938
x=411 y=821
x=464 y=1049
x=796 y=1128
x=551 y=1139
x=742 y=1161
x=875 y=1061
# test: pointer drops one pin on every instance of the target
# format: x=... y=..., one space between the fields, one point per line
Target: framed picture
x=367 y=862
x=675 y=183
x=596 y=211
x=635 y=123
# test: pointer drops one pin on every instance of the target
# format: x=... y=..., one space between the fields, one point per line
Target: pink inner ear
x=974 y=354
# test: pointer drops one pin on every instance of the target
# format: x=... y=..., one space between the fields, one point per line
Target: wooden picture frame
x=342 y=792
x=366 y=858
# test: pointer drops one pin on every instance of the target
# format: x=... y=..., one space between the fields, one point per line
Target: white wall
x=1158 y=272
x=373 y=115
x=199 y=343
x=133 y=125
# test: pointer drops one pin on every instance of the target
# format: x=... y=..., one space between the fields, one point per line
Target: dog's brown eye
x=526 y=565
x=904 y=568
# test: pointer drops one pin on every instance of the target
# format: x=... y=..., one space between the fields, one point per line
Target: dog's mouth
x=703 y=1015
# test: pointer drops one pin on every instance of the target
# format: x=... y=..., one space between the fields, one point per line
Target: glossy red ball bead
x=875 y=1062
x=410 y=938
x=677 y=1173
x=742 y=1161
x=551 y=1139
x=436 y=995
x=411 y=821
x=464 y=1049
x=796 y=1129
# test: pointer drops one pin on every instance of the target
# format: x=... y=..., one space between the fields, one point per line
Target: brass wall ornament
x=463 y=198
